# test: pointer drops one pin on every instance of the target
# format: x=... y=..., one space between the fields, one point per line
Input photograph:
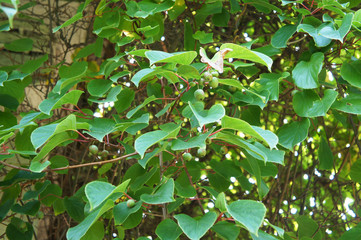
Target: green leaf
x=280 y=38
x=355 y=172
x=329 y=30
x=325 y=156
x=70 y=21
x=215 y=113
x=29 y=208
x=263 y=236
x=56 y=101
x=203 y=37
x=32 y=65
x=58 y=206
x=121 y=211
x=308 y=104
x=168 y=230
x=74 y=206
x=353 y=233
x=95 y=48
x=198 y=141
x=58 y=162
x=98 y=192
x=142 y=179
x=18 y=229
x=236 y=140
x=3 y=77
x=98 y=87
x=77 y=232
x=279 y=230
x=69 y=75
x=21 y=175
x=40 y=135
x=315 y=33
x=250 y=213
x=195 y=229
x=226 y=230
x=36 y=164
x=188 y=72
x=241 y=52
x=144 y=103
x=148 y=139
x=51 y=193
x=293 y=133
x=20 y=45
x=10 y=12
x=185 y=58
x=100 y=127
x=305 y=74
x=34 y=194
x=350 y=104
x=351 y=72
x=270 y=82
x=184 y=187
x=221 y=202
x=124 y=100
x=163 y=195
x=95 y=232
x=239 y=125
x=308 y=228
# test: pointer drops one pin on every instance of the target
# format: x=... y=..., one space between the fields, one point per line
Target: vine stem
x=164 y=207
x=73 y=166
x=191 y=182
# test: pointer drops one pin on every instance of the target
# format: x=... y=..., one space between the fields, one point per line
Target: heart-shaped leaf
x=163 y=195
x=305 y=74
x=293 y=133
x=97 y=192
x=250 y=213
x=308 y=104
x=207 y=116
x=168 y=230
x=195 y=229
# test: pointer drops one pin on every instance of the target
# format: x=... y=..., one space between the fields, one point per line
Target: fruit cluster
x=210 y=78
x=93 y=150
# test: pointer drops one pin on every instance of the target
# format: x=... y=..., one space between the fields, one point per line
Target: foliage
x=143 y=134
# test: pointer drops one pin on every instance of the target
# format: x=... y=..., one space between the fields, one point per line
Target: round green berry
x=232 y=89
x=192 y=84
x=201 y=152
x=104 y=154
x=187 y=156
x=224 y=150
x=130 y=203
x=207 y=75
x=199 y=94
x=93 y=149
x=215 y=73
x=214 y=83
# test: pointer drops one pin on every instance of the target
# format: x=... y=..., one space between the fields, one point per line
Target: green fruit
x=215 y=73
x=201 y=81
x=199 y=94
x=214 y=82
x=192 y=84
x=207 y=75
x=201 y=152
x=104 y=154
x=130 y=203
x=93 y=149
x=232 y=89
x=224 y=150
x=187 y=156
x=23 y=226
